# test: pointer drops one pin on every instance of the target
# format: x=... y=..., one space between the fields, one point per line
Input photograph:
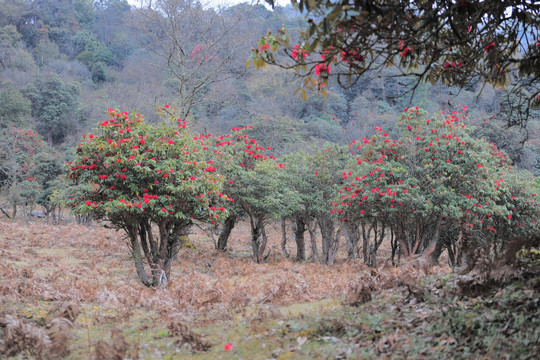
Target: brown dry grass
x=46 y=266
x=77 y=263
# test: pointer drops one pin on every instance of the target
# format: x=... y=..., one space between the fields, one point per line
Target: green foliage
x=14 y=107
x=12 y=53
x=131 y=171
x=46 y=52
x=9 y=36
x=98 y=72
x=90 y=50
x=298 y=175
x=281 y=133
x=55 y=106
x=47 y=170
x=252 y=175
x=58 y=19
x=436 y=178
x=351 y=39
x=314 y=178
x=18 y=186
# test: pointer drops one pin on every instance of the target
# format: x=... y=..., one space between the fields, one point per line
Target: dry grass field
x=85 y=277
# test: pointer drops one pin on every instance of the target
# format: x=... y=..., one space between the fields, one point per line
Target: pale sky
x=222 y=2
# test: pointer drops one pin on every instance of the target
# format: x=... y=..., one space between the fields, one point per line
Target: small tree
x=261 y=197
x=47 y=171
x=314 y=179
x=17 y=183
x=311 y=177
x=134 y=176
x=53 y=101
x=253 y=183
x=196 y=43
x=236 y=154
x=14 y=107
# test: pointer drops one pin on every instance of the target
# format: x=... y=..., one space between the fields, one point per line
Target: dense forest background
x=64 y=62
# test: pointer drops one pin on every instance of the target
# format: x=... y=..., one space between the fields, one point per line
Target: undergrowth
x=222 y=306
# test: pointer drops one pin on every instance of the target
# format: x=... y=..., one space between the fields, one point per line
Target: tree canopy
x=460 y=43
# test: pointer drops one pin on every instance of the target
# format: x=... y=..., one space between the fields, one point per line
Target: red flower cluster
x=297 y=52
x=452 y=66
x=322 y=69
x=404 y=50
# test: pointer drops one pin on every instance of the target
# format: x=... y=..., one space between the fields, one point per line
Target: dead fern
x=485 y=274
x=187 y=336
x=359 y=295
x=20 y=337
x=116 y=350
x=59 y=331
x=50 y=341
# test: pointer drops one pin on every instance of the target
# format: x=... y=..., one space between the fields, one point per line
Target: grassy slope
x=281 y=310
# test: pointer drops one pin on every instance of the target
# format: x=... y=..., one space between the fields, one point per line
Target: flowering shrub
x=252 y=181
x=434 y=187
x=312 y=180
x=135 y=175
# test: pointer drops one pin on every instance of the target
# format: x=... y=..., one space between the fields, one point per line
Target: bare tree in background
x=199 y=46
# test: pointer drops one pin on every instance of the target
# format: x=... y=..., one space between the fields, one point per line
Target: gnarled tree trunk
x=312 y=226
x=284 y=237
x=258 y=241
x=300 y=240
x=330 y=239
x=352 y=235
x=229 y=224
x=158 y=252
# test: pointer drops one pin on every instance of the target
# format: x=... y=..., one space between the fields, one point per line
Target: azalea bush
x=153 y=182
x=237 y=155
x=254 y=183
x=315 y=178
x=434 y=188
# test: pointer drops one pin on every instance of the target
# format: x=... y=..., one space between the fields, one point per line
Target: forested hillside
x=92 y=55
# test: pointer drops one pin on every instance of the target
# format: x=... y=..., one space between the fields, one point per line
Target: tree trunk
x=284 y=237
x=229 y=224
x=326 y=229
x=145 y=235
x=159 y=256
x=435 y=242
x=311 y=225
x=334 y=247
x=54 y=217
x=379 y=235
x=137 y=257
x=352 y=235
x=300 y=240
x=256 y=225
x=366 y=234
x=394 y=246
x=262 y=245
x=330 y=239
